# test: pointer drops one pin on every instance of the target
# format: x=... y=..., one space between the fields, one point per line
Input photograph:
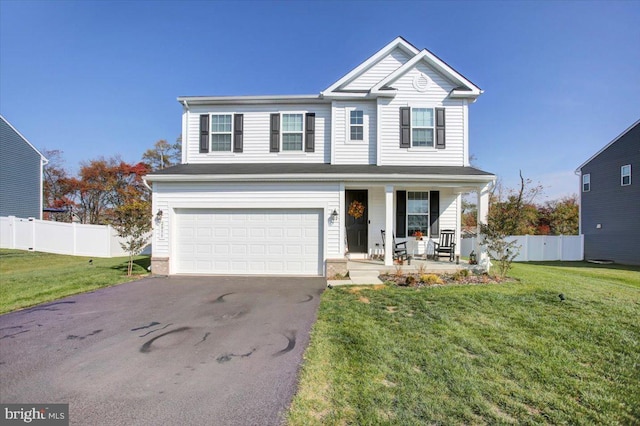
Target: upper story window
x=292 y=132
x=356 y=125
x=417 y=213
x=625 y=175
x=586 y=182
x=422 y=127
x=221 y=131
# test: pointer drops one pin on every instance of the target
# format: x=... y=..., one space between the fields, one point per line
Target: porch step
x=364 y=277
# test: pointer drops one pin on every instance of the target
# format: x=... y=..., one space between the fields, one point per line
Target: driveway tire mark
x=14 y=334
x=204 y=338
x=146 y=348
x=227 y=357
x=291 y=337
x=157 y=329
x=308 y=299
x=220 y=299
x=93 y=333
x=50 y=305
x=146 y=326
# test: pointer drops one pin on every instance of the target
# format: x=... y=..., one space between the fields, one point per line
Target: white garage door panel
x=222 y=241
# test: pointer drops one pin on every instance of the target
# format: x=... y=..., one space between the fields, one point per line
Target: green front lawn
x=30 y=278
x=509 y=353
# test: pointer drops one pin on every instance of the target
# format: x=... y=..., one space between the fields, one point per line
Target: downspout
x=184 y=132
x=43 y=162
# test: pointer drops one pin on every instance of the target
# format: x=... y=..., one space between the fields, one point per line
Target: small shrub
x=422 y=269
x=411 y=280
x=399 y=273
x=461 y=275
x=431 y=279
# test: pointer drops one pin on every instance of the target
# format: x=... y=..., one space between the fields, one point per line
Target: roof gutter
x=322 y=177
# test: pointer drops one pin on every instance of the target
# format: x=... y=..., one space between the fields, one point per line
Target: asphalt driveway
x=175 y=351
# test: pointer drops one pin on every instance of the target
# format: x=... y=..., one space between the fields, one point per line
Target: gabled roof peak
x=465 y=88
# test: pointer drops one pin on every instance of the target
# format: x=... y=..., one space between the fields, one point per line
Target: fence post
x=560 y=247
x=12 y=232
x=75 y=238
x=32 y=220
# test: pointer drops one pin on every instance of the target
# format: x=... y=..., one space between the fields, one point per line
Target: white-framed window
x=417 y=212
x=221 y=132
x=356 y=125
x=625 y=175
x=292 y=132
x=422 y=127
x=586 y=182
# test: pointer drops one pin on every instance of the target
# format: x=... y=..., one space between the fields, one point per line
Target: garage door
x=246 y=242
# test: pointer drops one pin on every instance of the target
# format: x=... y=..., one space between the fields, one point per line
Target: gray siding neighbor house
x=20 y=174
x=610 y=200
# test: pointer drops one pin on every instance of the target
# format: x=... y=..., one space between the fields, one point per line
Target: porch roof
x=318 y=172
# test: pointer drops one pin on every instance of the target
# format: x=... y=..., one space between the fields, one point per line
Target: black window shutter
x=440 y=128
x=434 y=212
x=238 y=122
x=275 y=133
x=310 y=132
x=401 y=214
x=405 y=127
x=204 y=133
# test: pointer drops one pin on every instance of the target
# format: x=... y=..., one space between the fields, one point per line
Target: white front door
x=248 y=241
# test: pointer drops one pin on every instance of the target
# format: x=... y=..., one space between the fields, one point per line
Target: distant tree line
x=103 y=187
x=515 y=212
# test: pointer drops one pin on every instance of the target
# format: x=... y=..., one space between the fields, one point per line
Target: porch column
x=388 y=225
x=483 y=214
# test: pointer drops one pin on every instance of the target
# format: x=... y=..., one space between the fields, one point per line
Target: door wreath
x=356 y=209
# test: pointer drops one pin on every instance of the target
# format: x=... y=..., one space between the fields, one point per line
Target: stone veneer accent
x=336 y=266
x=160 y=265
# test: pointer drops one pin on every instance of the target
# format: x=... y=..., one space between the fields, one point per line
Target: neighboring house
x=266 y=182
x=610 y=200
x=20 y=174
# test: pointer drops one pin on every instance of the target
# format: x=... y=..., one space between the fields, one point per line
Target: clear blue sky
x=92 y=78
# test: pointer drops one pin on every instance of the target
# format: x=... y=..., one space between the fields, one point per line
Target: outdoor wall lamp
x=334 y=215
x=159 y=215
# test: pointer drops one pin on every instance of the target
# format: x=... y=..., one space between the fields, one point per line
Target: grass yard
x=29 y=278
x=478 y=354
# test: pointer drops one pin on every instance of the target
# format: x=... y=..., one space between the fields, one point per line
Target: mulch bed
x=439 y=280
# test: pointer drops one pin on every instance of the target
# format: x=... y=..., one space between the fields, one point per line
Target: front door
x=357 y=227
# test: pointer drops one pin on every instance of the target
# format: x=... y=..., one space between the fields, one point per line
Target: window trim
x=211 y=132
x=302 y=132
x=350 y=125
x=623 y=175
x=428 y=214
x=586 y=180
x=433 y=127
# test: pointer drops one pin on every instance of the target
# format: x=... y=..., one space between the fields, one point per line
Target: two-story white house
x=267 y=183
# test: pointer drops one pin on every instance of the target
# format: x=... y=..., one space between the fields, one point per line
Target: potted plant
x=418 y=235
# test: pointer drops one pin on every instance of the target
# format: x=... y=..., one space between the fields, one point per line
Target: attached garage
x=249 y=241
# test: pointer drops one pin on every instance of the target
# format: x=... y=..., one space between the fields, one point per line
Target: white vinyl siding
x=256 y=135
x=434 y=97
x=379 y=71
x=345 y=150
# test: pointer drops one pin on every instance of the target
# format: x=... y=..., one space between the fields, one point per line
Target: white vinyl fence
x=539 y=247
x=58 y=237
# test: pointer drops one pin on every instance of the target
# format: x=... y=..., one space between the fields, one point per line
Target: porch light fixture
x=334 y=215
x=159 y=214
